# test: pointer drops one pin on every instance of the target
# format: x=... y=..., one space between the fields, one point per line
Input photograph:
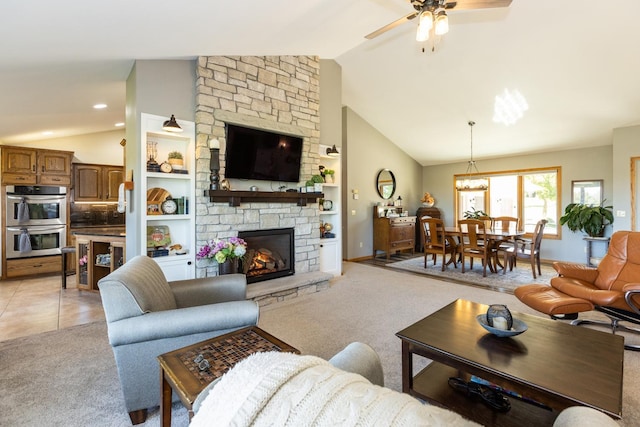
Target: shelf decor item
x=176 y=160
x=329 y=175
x=226 y=252
x=214 y=164
x=428 y=200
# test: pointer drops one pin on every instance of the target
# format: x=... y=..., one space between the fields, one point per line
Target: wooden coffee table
x=553 y=363
x=189 y=370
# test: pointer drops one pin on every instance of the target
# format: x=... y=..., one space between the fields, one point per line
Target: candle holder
x=214 y=166
x=499 y=316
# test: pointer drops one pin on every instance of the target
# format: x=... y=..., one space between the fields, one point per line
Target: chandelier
x=470 y=181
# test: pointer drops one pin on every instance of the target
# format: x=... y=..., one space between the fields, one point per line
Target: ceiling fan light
x=171 y=125
x=425 y=25
x=442 y=23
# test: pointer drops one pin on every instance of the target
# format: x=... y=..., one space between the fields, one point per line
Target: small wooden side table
x=189 y=370
x=590 y=241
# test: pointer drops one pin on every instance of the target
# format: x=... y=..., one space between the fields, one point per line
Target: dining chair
x=506 y=224
x=526 y=250
x=476 y=244
x=436 y=243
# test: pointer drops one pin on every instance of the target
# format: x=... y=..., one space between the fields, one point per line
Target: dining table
x=495 y=237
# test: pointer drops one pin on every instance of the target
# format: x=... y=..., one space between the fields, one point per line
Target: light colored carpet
x=68 y=377
x=520 y=275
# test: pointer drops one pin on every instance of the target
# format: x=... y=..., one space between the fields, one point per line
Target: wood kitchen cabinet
x=29 y=166
x=96 y=183
x=393 y=234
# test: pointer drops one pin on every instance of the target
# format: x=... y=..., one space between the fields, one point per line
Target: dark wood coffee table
x=180 y=370
x=553 y=363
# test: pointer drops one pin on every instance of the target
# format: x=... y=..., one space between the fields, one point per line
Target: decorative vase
x=230 y=266
x=330 y=178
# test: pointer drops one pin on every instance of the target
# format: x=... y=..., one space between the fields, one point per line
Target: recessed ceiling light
x=100 y=106
x=119 y=125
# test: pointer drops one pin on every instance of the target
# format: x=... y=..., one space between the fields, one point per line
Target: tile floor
x=34 y=305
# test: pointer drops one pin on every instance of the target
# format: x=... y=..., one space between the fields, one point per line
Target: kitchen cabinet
x=331 y=215
x=30 y=166
x=393 y=234
x=167 y=235
x=97 y=256
x=96 y=183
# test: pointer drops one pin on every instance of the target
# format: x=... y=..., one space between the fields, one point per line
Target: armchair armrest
x=183 y=321
x=209 y=290
x=577 y=271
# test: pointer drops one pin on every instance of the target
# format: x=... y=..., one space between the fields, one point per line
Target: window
x=530 y=194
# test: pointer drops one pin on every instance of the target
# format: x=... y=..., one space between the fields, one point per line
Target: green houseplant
x=329 y=175
x=590 y=219
x=474 y=214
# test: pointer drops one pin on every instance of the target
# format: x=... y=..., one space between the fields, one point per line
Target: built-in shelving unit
x=159 y=228
x=331 y=247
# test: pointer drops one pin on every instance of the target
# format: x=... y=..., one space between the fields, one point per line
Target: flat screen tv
x=262 y=155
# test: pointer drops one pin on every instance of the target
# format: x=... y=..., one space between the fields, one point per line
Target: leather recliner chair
x=612 y=288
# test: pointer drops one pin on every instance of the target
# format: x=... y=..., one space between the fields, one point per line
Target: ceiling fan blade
x=391 y=26
x=478 y=4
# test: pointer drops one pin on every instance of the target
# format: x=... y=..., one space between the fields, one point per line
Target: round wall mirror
x=386 y=184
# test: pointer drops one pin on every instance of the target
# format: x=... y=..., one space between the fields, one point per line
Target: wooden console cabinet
x=93 y=262
x=391 y=235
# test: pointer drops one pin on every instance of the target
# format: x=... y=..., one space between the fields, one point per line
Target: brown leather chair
x=476 y=244
x=525 y=250
x=612 y=288
x=436 y=243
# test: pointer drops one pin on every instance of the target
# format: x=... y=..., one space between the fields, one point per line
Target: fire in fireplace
x=270 y=254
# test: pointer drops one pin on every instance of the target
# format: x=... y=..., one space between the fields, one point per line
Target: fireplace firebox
x=270 y=254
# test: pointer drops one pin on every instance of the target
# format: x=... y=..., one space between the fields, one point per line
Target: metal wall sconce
x=214 y=164
x=171 y=125
x=333 y=151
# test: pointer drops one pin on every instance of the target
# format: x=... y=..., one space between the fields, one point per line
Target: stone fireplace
x=270 y=254
x=276 y=93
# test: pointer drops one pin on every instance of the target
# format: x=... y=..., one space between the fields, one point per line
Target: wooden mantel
x=236 y=197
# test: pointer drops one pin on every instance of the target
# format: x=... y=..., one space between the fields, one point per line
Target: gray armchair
x=147 y=316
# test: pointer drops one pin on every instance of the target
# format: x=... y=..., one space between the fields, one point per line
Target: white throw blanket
x=283 y=389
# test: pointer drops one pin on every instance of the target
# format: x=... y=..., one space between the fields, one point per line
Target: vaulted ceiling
x=575 y=61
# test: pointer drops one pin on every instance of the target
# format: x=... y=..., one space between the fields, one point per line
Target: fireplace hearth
x=270 y=254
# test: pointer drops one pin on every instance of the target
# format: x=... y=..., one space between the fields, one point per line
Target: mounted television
x=262 y=155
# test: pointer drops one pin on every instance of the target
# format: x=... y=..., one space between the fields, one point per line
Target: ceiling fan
x=434 y=13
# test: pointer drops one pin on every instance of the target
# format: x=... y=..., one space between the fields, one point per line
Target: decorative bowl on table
x=517 y=328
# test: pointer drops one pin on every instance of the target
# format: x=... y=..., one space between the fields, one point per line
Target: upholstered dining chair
x=148 y=316
x=525 y=250
x=476 y=244
x=436 y=243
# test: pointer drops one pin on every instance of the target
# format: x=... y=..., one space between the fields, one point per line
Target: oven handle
x=38 y=198
x=41 y=229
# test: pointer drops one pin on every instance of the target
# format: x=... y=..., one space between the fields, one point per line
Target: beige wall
x=626 y=144
x=366 y=151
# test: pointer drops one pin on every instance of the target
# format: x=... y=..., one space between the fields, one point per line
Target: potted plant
x=329 y=175
x=176 y=160
x=474 y=214
x=590 y=219
x=317 y=182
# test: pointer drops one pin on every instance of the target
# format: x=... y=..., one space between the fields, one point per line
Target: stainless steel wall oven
x=36 y=218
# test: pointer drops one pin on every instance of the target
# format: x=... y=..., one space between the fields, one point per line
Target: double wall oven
x=36 y=220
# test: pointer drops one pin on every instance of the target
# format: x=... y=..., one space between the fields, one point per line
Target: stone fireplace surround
x=276 y=93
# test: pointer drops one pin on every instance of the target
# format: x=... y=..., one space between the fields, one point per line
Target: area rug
x=520 y=275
